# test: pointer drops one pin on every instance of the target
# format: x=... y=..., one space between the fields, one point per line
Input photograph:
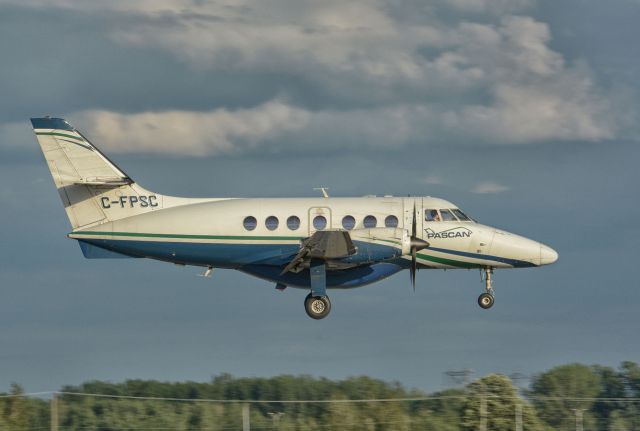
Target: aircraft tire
x=317 y=307
x=485 y=301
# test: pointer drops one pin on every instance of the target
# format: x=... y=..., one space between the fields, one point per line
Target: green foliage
x=20 y=413
x=551 y=389
x=493 y=400
x=559 y=392
x=110 y=414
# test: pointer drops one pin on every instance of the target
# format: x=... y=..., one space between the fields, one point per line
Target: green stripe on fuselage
x=440 y=260
x=388 y=240
x=183 y=236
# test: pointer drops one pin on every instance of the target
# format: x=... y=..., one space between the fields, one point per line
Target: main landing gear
x=317 y=304
x=486 y=299
x=317 y=307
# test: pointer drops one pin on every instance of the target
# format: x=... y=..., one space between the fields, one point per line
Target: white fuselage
x=213 y=233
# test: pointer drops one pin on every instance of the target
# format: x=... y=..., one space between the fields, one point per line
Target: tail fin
x=92 y=188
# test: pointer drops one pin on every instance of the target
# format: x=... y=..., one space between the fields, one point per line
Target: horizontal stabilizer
x=105 y=182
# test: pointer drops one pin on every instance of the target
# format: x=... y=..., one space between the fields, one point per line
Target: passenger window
x=271 y=222
x=319 y=222
x=432 y=215
x=391 y=221
x=293 y=223
x=348 y=222
x=250 y=223
x=447 y=216
x=461 y=216
x=370 y=221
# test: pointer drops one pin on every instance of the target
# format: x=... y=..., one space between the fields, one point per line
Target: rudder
x=92 y=188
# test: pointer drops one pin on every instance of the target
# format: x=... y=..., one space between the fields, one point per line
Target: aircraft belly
x=340 y=279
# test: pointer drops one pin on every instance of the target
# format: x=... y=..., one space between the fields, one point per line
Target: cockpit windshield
x=445 y=214
x=461 y=216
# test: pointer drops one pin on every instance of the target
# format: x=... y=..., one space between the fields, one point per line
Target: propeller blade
x=414 y=250
x=414 y=265
x=413 y=225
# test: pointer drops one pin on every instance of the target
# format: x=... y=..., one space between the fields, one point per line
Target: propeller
x=416 y=245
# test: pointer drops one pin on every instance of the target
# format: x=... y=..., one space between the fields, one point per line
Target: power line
x=342 y=401
x=371 y=400
x=28 y=394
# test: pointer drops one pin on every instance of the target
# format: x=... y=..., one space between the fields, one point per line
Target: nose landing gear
x=486 y=299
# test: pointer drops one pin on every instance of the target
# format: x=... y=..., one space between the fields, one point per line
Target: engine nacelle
x=378 y=244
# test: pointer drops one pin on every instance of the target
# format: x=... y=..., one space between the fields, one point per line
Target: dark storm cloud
x=62 y=61
x=367 y=75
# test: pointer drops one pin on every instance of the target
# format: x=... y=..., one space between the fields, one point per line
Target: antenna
x=323 y=190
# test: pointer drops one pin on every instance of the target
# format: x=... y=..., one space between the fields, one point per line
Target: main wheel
x=317 y=307
x=485 y=300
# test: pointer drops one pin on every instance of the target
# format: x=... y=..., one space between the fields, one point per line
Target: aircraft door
x=319 y=219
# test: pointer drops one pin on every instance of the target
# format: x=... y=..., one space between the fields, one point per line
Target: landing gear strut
x=486 y=299
x=317 y=304
x=317 y=307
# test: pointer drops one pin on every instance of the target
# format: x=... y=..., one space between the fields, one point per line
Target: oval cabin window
x=293 y=223
x=391 y=221
x=348 y=222
x=370 y=221
x=250 y=223
x=319 y=222
x=271 y=223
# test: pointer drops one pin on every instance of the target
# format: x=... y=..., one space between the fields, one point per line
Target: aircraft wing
x=322 y=245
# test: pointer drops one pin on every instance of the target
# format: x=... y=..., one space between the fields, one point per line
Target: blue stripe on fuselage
x=513 y=262
x=221 y=255
x=235 y=254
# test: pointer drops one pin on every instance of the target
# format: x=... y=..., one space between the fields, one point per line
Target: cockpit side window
x=432 y=215
x=447 y=216
x=461 y=216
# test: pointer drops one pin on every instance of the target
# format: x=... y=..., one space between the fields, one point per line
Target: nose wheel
x=486 y=299
x=317 y=307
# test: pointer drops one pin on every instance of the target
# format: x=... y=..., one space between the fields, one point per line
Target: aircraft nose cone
x=547 y=255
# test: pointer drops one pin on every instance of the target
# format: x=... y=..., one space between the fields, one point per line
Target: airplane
x=316 y=243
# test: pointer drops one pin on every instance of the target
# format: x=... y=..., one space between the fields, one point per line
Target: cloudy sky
x=523 y=112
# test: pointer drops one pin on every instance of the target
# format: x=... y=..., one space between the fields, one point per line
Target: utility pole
x=483 y=411
x=246 y=424
x=54 y=412
x=518 y=416
x=579 y=424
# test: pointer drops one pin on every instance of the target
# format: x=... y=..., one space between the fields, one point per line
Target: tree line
x=603 y=398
